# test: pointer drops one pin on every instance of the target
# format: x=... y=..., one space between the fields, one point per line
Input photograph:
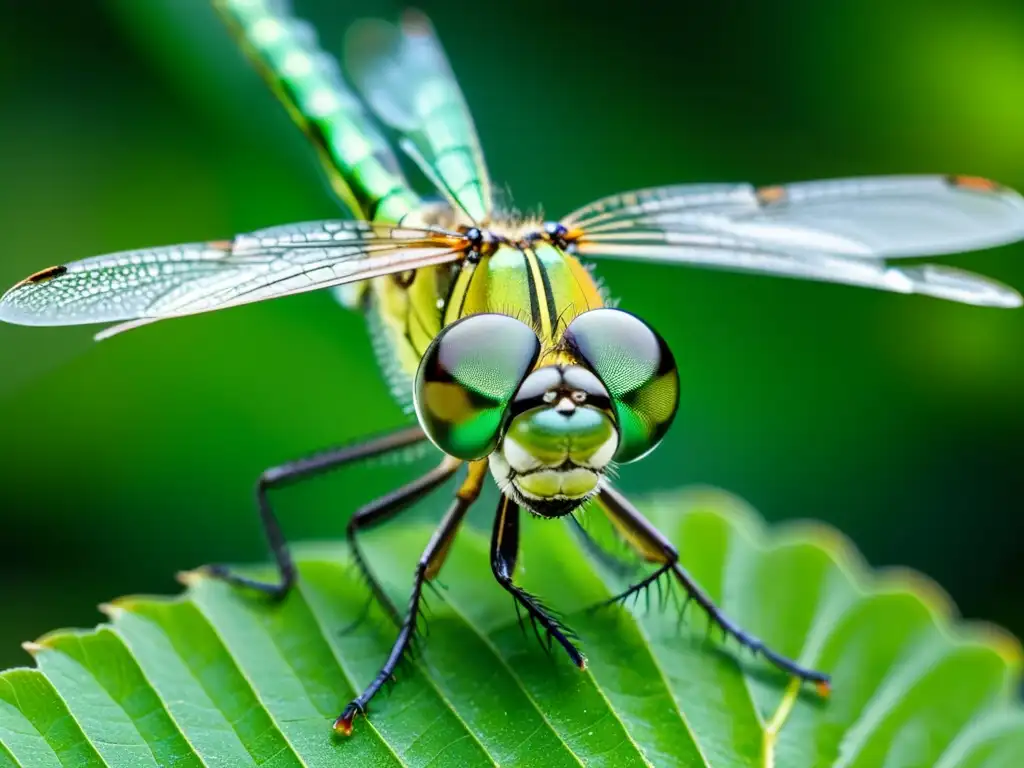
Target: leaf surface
x=214 y=677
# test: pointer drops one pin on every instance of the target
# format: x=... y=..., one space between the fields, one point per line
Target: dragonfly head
x=550 y=431
x=560 y=439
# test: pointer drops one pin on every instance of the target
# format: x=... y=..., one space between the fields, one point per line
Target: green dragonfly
x=490 y=327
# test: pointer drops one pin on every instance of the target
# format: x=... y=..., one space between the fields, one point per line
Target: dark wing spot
x=973 y=183
x=770 y=195
x=45 y=274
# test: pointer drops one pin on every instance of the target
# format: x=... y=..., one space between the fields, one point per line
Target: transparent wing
x=840 y=231
x=154 y=283
x=403 y=74
x=362 y=167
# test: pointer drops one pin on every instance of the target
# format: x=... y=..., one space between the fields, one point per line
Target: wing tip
x=999 y=296
x=982 y=186
x=961 y=286
x=1012 y=299
x=774 y=194
x=42 y=276
x=10 y=311
x=975 y=183
x=1010 y=201
x=416 y=23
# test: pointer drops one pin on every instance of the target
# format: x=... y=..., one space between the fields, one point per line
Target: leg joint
x=270 y=477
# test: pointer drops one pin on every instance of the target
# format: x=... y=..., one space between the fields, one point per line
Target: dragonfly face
x=559 y=442
x=515 y=365
x=550 y=423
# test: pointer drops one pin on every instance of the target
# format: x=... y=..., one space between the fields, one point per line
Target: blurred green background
x=127 y=124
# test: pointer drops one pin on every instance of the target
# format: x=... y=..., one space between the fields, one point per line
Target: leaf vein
x=163 y=704
x=501 y=660
x=648 y=649
x=301 y=587
x=74 y=718
x=248 y=680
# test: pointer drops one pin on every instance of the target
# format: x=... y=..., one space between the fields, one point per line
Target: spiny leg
x=429 y=565
x=617 y=565
x=655 y=548
x=504 y=553
x=384 y=508
x=293 y=472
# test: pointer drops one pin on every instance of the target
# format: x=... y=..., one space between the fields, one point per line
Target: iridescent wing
x=840 y=231
x=136 y=287
x=404 y=76
x=361 y=166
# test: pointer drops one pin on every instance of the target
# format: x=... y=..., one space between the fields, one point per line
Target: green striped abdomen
x=359 y=162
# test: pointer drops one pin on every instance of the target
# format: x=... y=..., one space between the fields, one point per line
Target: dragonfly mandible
x=492 y=329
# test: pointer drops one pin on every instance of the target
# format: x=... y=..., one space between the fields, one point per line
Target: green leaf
x=215 y=677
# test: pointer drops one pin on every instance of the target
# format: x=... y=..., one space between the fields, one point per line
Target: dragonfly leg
x=293 y=472
x=427 y=568
x=654 y=547
x=619 y=566
x=384 y=508
x=504 y=553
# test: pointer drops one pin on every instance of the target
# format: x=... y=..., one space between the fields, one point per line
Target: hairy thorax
x=539 y=284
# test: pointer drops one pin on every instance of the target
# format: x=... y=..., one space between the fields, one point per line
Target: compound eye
x=638 y=370
x=467 y=378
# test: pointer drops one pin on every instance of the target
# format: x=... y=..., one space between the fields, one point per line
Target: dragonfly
x=491 y=326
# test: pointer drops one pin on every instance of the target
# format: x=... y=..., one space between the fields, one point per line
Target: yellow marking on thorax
x=540 y=300
x=542 y=287
x=555 y=356
x=457 y=299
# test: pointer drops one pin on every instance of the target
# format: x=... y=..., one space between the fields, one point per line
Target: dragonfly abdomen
x=362 y=168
